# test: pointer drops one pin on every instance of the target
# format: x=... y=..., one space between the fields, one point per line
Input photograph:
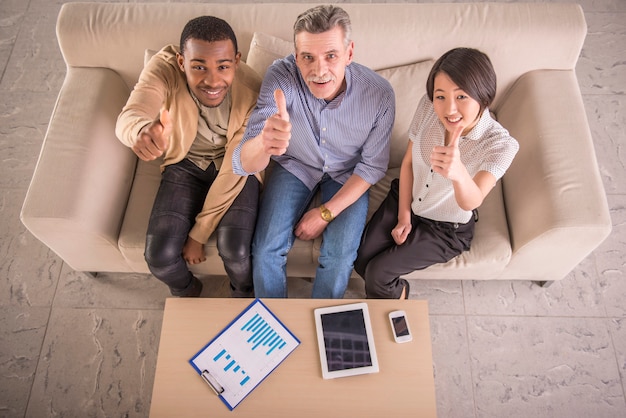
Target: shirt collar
x=481 y=127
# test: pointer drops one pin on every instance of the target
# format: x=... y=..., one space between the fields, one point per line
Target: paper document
x=244 y=353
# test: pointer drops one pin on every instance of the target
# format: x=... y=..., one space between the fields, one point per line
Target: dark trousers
x=381 y=262
x=180 y=198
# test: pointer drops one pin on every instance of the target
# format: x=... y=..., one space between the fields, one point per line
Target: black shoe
x=192 y=290
x=407 y=288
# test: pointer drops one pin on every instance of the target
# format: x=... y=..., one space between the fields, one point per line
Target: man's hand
x=446 y=160
x=154 y=138
x=310 y=226
x=193 y=251
x=277 y=130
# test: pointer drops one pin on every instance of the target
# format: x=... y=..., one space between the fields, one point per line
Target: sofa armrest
x=77 y=197
x=554 y=197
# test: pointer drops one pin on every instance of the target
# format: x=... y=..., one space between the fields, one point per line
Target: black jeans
x=180 y=198
x=380 y=261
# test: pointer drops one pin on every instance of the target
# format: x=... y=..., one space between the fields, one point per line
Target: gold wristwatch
x=327 y=215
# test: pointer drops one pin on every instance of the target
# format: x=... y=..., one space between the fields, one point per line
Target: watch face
x=326 y=215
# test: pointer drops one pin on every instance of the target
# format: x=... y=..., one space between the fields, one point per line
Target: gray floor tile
x=607 y=118
x=212 y=286
x=110 y=290
x=451 y=366
x=97 y=362
x=579 y=294
x=298 y=287
x=618 y=332
x=600 y=5
x=444 y=296
x=24 y=120
x=21 y=337
x=29 y=271
x=600 y=69
x=544 y=367
x=10 y=22
x=611 y=260
x=36 y=64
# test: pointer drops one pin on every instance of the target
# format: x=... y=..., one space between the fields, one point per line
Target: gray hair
x=323 y=18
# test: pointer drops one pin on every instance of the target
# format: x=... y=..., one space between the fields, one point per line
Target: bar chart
x=245 y=353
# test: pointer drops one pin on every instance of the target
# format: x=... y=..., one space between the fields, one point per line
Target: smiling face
x=322 y=59
x=209 y=68
x=453 y=106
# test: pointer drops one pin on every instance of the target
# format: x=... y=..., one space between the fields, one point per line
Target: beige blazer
x=163 y=85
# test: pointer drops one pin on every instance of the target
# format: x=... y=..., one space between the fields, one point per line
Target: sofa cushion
x=147 y=54
x=409 y=85
x=132 y=239
x=265 y=49
x=490 y=251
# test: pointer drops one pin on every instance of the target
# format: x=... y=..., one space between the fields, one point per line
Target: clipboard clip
x=216 y=387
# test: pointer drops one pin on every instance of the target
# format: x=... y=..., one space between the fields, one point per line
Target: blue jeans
x=180 y=198
x=283 y=202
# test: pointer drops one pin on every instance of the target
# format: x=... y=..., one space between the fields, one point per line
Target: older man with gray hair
x=324 y=122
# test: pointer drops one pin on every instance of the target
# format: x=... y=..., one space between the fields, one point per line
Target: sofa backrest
x=517 y=37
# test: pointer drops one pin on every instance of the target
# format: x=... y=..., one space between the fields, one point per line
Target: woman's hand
x=401 y=232
x=446 y=160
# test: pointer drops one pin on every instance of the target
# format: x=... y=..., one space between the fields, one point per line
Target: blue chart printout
x=244 y=353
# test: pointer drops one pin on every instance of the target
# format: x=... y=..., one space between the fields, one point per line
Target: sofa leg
x=544 y=284
x=91 y=274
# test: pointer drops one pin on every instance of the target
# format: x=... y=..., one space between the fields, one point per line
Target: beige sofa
x=90 y=197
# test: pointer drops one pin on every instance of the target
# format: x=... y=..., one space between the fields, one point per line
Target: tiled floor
x=73 y=346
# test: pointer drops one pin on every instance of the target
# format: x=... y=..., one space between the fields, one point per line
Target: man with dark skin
x=190 y=107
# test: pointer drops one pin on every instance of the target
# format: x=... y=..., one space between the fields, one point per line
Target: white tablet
x=346 y=341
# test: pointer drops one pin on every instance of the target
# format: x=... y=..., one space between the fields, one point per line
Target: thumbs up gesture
x=281 y=104
x=446 y=160
x=154 y=138
x=277 y=130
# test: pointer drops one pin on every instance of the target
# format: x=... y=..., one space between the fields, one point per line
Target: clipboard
x=244 y=353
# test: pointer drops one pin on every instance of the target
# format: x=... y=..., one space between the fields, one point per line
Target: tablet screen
x=345 y=339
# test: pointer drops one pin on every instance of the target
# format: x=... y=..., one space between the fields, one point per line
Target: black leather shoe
x=192 y=290
x=407 y=288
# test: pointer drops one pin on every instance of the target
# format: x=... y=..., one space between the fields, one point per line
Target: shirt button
x=323 y=129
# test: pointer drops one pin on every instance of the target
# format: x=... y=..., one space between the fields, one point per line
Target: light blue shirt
x=350 y=134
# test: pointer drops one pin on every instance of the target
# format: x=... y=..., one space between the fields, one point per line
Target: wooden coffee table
x=404 y=387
